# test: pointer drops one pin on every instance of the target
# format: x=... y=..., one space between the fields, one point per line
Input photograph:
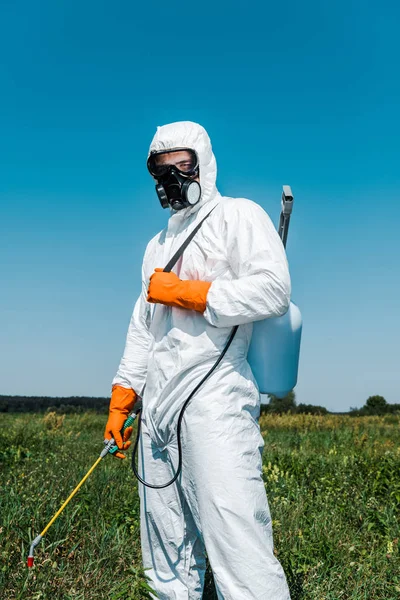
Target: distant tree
x=281 y=405
x=375 y=405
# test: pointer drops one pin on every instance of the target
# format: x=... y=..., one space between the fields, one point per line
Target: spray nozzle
x=35 y=542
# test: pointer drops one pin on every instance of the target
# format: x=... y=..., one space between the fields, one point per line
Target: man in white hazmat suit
x=233 y=272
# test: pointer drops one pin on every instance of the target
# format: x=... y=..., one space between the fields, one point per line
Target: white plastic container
x=274 y=352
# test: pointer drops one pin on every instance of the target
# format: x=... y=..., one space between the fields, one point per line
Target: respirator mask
x=175 y=170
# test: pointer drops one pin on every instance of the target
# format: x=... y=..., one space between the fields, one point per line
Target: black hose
x=178 y=429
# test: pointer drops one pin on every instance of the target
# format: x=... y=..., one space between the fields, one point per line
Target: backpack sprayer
x=275 y=342
x=273 y=357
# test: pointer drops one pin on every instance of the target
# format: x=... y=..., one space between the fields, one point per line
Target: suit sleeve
x=261 y=285
x=132 y=370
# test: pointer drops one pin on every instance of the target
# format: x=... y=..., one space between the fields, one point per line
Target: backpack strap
x=168 y=268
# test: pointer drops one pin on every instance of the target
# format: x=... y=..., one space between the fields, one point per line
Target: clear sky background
x=299 y=93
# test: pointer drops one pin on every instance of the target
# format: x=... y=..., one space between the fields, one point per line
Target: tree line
x=70 y=404
x=374 y=405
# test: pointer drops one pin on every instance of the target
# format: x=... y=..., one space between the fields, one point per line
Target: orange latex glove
x=167 y=288
x=121 y=404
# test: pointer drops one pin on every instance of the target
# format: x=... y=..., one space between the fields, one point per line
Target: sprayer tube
x=180 y=418
x=110 y=447
x=50 y=523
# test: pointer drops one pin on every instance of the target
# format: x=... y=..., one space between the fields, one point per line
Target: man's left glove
x=167 y=288
x=121 y=404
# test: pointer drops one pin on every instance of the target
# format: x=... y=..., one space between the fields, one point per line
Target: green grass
x=333 y=485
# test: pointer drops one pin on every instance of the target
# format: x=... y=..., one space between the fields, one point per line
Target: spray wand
x=110 y=448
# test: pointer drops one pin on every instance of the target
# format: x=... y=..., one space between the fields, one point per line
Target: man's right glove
x=121 y=404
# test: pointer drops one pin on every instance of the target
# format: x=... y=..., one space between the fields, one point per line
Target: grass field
x=333 y=484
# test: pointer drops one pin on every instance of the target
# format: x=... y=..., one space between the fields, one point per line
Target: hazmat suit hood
x=186 y=134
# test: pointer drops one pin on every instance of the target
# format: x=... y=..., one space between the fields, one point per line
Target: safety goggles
x=184 y=160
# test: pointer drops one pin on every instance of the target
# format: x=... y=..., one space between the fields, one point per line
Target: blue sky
x=305 y=94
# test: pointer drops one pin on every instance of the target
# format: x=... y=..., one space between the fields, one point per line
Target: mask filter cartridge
x=177 y=191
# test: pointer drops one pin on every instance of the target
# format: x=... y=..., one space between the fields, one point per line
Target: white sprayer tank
x=274 y=352
x=275 y=344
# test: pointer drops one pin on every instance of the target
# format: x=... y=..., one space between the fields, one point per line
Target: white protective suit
x=219 y=501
